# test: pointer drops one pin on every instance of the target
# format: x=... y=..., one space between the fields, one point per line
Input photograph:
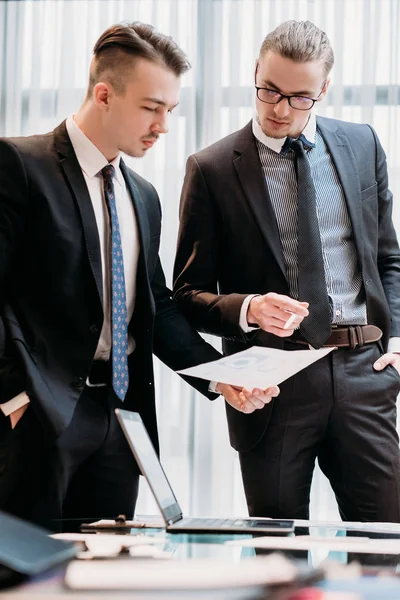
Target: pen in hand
x=289 y=321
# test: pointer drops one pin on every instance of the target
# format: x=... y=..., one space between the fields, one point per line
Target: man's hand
x=17 y=414
x=272 y=311
x=390 y=358
x=246 y=401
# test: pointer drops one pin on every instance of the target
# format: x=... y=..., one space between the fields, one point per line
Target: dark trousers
x=343 y=413
x=88 y=473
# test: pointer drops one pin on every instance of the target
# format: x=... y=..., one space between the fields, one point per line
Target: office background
x=45 y=51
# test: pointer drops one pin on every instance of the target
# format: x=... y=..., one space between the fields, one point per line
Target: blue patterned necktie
x=119 y=326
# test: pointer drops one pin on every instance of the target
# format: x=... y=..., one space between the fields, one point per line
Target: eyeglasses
x=298 y=102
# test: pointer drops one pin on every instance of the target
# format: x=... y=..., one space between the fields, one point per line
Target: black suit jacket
x=229 y=244
x=51 y=285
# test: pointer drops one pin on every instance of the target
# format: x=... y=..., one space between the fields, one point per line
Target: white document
x=105 y=545
x=360 y=545
x=257 y=367
x=152 y=521
x=351 y=526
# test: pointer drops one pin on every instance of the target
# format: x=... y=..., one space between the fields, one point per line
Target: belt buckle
x=94 y=385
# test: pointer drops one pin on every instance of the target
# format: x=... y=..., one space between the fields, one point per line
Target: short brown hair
x=120 y=45
x=301 y=41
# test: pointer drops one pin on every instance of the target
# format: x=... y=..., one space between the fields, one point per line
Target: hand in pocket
x=17 y=414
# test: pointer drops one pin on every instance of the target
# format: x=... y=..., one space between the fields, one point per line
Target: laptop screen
x=147 y=459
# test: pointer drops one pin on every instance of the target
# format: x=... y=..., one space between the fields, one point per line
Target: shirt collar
x=307 y=135
x=90 y=159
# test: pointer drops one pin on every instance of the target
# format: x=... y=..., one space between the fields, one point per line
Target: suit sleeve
x=13 y=210
x=14 y=195
x=388 y=248
x=197 y=262
x=176 y=342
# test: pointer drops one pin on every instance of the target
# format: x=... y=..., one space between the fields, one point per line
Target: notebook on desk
x=26 y=549
x=147 y=459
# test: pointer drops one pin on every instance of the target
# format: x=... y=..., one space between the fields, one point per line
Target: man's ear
x=324 y=90
x=256 y=68
x=102 y=92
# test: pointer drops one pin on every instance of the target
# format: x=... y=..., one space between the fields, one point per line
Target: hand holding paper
x=246 y=401
x=257 y=367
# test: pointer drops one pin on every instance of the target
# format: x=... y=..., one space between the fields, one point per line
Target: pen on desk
x=289 y=321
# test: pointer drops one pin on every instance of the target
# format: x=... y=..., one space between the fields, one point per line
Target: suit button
x=93 y=328
x=77 y=382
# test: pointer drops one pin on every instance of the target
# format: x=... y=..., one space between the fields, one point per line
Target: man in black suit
x=286 y=240
x=83 y=299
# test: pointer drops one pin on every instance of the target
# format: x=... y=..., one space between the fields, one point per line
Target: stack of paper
x=199 y=575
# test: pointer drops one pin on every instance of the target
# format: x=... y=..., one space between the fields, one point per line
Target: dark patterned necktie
x=315 y=328
x=119 y=326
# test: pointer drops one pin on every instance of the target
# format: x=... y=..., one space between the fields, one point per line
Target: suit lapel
x=140 y=209
x=250 y=173
x=143 y=289
x=346 y=168
x=76 y=181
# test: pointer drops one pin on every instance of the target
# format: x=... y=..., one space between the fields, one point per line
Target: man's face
x=290 y=78
x=133 y=120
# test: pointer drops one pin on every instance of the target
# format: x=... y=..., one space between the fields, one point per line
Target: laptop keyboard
x=205 y=522
x=219 y=523
x=247 y=523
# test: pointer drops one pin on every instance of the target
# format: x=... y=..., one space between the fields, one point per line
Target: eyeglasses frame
x=282 y=96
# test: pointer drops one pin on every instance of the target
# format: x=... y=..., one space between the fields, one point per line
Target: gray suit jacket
x=229 y=244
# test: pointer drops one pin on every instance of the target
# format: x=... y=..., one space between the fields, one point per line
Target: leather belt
x=100 y=373
x=349 y=336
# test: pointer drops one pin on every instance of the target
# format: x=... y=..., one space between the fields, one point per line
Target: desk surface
x=200 y=546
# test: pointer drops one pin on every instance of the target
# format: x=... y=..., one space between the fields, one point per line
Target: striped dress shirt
x=342 y=272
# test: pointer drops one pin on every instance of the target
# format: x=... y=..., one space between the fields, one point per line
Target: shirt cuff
x=244 y=326
x=394 y=345
x=14 y=404
x=212 y=387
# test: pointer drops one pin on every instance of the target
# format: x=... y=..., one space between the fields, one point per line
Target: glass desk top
x=206 y=545
x=379 y=572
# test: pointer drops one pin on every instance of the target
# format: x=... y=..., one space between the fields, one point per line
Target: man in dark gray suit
x=286 y=240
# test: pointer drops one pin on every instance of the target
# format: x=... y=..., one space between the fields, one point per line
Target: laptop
x=147 y=459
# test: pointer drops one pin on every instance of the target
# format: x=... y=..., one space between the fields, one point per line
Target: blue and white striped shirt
x=342 y=272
